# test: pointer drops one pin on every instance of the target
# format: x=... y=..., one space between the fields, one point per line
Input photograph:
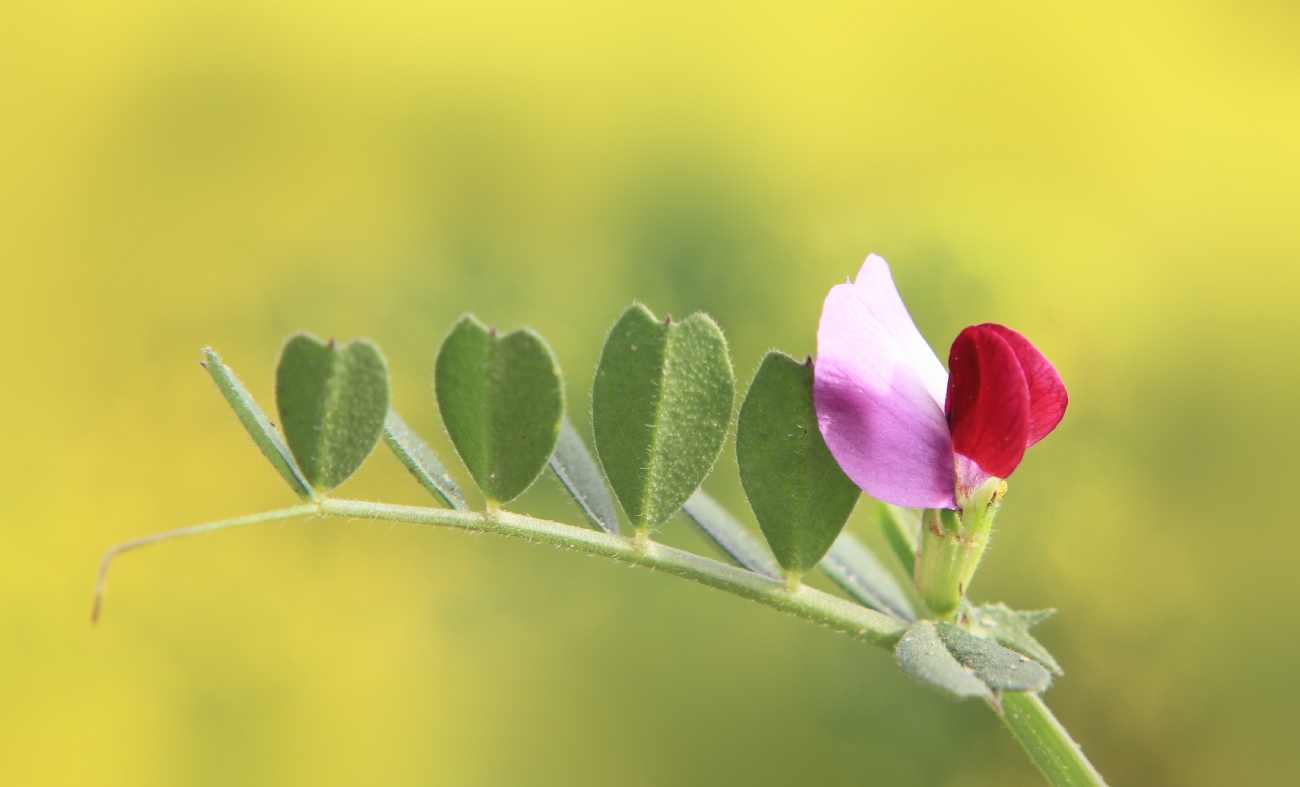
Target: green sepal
x=661 y=403
x=577 y=471
x=423 y=463
x=729 y=534
x=952 y=659
x=501 y=399
x=856 y=568
x=332 y=399
x=258 y=425
x=902 y=530
x=1010 y=628
x=798 y=492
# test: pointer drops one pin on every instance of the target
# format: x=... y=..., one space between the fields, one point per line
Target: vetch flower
x=902 y=428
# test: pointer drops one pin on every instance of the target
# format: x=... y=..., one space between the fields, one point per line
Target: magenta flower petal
x=1047 y=396
x=875 y=288
x=874 y=389
x=988 y=401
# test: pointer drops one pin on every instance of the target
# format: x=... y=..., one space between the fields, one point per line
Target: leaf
x=661 y=403
x=855 y=568
x=902 y=529
x=333 y=400
x=960 y=663
x=577 y=470
x=922 y=654
x=423 y=463
x=258 y=425
x=501 y=399
x=797 y=490
x=730 y=535
x=1010 y=628
x=1001 y=669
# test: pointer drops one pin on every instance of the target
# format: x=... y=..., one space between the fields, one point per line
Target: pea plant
x=876 y=412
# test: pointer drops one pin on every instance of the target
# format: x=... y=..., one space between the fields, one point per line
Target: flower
x=906 y=431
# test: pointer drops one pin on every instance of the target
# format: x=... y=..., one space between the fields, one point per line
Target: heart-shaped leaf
x=332 y=399
x=255 y=421
x=423 y=463
x=578 y=472
x=501 y=399
x=955 y=660
x=661 y=403
x=798 y=492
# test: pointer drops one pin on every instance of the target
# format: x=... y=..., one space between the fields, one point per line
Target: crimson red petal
x=1047 y=395
x=988 y=401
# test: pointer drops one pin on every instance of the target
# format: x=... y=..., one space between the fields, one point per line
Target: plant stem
x=1059 y=758
x=1029 y=720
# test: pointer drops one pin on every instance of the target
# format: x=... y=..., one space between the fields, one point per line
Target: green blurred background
x=1122 y=184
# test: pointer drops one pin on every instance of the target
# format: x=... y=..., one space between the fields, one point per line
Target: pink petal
x=875 y=288
x=988 y=401
x=1047 y=395
x=879 y=417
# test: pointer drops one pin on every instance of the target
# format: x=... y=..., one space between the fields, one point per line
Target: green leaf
x=1001 y=669
x=577 y=470
x=255 y=421
x=1010 y=628
x=798 y=492
x=423 y=463
x=955 y=660
x=855 y=568
x=730 y=536
x=661 y=403
x=922 y=654
x=333 y=399
x=501 y=399
x=902 y=529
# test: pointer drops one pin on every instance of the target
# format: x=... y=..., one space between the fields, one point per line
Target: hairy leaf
x=423 y=463
x=797 y=490
x=501 y=399
x=333 y=399
x=960 y=663
x=1001 y=669
x=922 y=654
x=1010 y=628
x=730 y=535
x=577 y=470
x=661 y=403
x=258 y=425
x=856 y=568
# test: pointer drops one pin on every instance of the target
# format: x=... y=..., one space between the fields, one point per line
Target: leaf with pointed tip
x=255 y=421
x=501 y=399
x=797 y=490
x=955 y=660
x=576 y=469
x=1001 y=669
x=1010 y=628
x=661 y=403
x=423 y=463
x=902 y=529
x=333 y=399
x=730 y=536
x=922 y=654
x=856 y=568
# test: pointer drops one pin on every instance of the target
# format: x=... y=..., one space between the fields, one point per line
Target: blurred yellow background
x=1121 y=184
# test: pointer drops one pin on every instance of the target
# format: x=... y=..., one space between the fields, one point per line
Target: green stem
x=1048 y=744
x=806 y=602
x=1033 y=725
